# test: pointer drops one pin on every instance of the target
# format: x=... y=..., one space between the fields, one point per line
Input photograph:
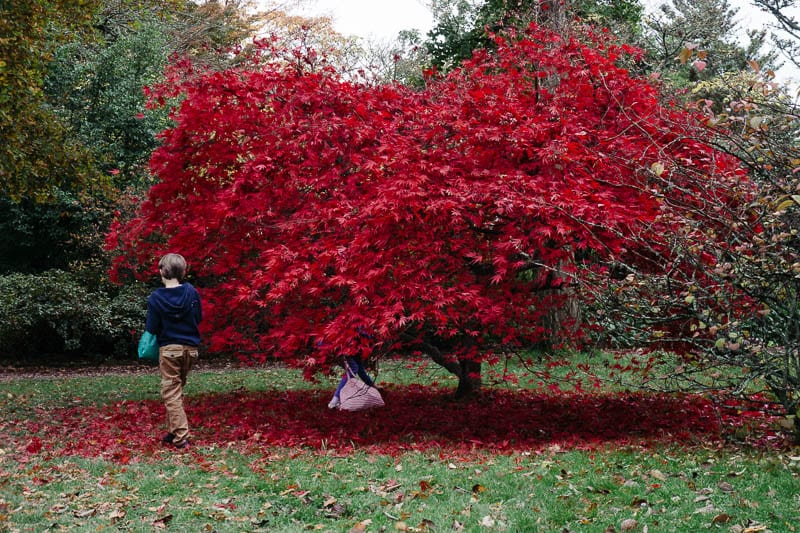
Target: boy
x=173 y=315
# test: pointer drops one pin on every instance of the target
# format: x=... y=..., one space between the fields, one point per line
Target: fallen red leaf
x=417 y=418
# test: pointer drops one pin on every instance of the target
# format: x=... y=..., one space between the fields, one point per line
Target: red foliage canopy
x=313 y=208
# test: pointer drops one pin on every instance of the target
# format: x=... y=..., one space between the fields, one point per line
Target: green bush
x=51 y=313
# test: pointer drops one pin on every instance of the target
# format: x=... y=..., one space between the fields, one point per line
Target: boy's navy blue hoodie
x=174 y=314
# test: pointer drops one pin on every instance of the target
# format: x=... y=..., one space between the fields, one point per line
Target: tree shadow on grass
x=502 y=421
x=414 y=418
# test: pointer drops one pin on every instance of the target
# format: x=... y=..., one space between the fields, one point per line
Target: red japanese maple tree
x=326 y=217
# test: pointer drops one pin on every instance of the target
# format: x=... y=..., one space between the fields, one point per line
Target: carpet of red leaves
x=415 y=418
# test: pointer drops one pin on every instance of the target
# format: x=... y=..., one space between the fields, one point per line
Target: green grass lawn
x=376 y=483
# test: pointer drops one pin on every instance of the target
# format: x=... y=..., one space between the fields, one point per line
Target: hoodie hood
x=174 y=303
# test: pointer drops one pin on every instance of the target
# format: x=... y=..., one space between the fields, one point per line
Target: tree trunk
x=469 y=381
x=563 y=318
x=796 y=435
x=562 y=322
x=467 y=371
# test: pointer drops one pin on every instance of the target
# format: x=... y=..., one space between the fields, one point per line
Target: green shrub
x=51 y=313
x=127 y=310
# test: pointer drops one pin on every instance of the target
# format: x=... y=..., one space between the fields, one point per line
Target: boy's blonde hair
x=172 y=266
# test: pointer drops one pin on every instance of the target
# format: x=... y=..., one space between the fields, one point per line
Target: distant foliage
x=464 y=26
x=37 y=152
x=692 y=41
x=53 y=313
x=97 y=88
x=63 y=234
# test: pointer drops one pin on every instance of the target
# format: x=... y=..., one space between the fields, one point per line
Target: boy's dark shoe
x=182 y=445
x=168 y=438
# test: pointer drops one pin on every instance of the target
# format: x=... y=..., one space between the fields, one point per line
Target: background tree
x=60 y=234
x=462 y=26
x=313 y=39
x=455 y=34
x=208 y=31
x=97 y=88
x=97 y=84
x=787 y=37
x=108 y=50
x=723 y=290
x=36 y=150
x=439 y=221
x=402 y=60
x=761 y=126
x=705 y=31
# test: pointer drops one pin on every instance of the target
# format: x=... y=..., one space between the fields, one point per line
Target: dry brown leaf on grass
x=336 y=510
x=84 y=513
x=161 y=523
x=751 y=527
x=709 y=508
x=360 y=527
x=117 y=514
x=722 y=518
x=426 y=525
x=724 y=486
